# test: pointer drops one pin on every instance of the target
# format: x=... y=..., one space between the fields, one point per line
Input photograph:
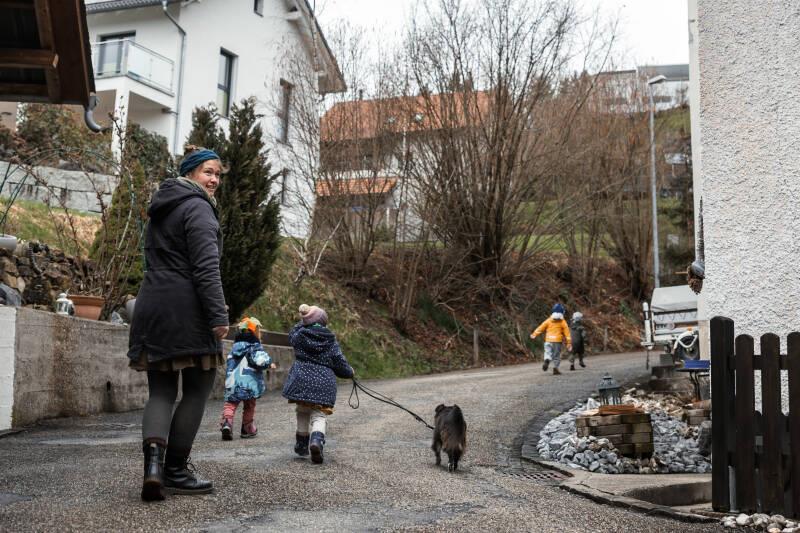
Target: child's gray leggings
x=177 y=430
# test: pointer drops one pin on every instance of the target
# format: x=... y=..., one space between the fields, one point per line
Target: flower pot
x=8 y=242
x=87 y=306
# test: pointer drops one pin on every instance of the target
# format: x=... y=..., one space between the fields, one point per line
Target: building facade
x=746 y=140
x=155 y=61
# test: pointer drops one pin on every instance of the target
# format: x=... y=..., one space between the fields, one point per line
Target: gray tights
x=177 y=430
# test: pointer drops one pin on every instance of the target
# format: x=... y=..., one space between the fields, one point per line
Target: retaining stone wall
x=66 y=366
x=74 y=189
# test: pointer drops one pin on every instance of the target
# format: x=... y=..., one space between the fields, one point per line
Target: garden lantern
x=63 y=304
x=609 y=391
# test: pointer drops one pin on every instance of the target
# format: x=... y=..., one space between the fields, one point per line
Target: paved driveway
x=83 y=473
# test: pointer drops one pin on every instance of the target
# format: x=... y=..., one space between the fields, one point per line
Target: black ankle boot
x=179 y=477
x=153 y=482
x=317 y=442
x=301 y=446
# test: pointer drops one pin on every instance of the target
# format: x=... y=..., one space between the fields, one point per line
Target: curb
x=574 y=483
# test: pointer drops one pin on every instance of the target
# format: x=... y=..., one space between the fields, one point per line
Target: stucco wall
x=53 y=366
x=749 y=126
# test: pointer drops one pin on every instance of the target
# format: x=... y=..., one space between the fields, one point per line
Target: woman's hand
x=273 y=366
x=220 y=332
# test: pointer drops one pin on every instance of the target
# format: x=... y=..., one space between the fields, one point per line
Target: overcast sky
x=651 y=31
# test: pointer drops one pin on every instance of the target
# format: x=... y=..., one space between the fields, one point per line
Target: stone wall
x=52 y=365
x=40 y=273
x=57 y=187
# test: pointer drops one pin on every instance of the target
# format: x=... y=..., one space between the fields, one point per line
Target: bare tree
x=487 y=76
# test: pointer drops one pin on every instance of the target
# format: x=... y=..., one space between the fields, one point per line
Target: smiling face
x=207 y=175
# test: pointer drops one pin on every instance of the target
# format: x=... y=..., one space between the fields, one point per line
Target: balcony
x=126 y=58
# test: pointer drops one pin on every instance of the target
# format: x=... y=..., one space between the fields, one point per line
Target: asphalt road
x=83 y=474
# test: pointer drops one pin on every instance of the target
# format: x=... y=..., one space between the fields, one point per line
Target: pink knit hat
x=311 y=314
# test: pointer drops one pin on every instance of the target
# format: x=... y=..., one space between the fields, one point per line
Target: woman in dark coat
x=179 y=321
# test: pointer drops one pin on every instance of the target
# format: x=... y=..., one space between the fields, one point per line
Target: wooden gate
x=755 y=454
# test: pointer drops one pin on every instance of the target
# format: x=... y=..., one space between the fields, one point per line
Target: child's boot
x=556 y=372
x=583 y=365
x=301 y=446
x=317 y=442
x=546 y=364
x=248 y=431
x=572 y=366
x=226 y=429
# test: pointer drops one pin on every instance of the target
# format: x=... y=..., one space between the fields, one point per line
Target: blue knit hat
x=195 y=159
x=558 y=308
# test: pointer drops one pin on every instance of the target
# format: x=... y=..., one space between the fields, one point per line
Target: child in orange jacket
x=556 y=330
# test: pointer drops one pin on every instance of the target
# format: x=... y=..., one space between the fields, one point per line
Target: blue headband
x=193 y=160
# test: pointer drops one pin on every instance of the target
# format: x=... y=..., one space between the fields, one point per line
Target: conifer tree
x=249 y=213
x=206 y=131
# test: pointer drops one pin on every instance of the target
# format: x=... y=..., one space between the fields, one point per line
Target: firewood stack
x=627 y=427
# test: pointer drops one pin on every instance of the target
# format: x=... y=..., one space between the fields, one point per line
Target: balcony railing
x=126 y=58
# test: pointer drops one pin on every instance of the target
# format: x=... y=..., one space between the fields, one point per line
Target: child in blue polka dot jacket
x=311 y=383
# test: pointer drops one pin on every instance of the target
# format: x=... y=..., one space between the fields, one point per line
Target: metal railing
x=124 y=57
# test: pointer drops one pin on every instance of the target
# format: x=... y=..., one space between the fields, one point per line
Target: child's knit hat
x=250 y=323
x=311 y=314
x=558 y=308
x=577 y=316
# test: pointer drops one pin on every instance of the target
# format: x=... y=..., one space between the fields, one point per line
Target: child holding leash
x=311 y=383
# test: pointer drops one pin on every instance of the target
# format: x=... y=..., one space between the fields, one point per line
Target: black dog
x=449 y=434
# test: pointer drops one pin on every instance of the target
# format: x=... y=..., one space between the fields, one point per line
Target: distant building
x=673 y=92
x=154 y=62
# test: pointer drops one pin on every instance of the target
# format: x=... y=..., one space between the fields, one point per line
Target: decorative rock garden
x=676 y=445
x=762 y=522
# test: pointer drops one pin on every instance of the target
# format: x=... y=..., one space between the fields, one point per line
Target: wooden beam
x=28 y=58
x=23 y=89
x=44 y=24
x=16 y=4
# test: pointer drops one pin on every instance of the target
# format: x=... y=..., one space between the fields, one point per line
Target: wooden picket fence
x=755 y=454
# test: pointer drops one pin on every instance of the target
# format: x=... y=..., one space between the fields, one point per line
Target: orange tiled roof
x=365 y=119
x=356 y=186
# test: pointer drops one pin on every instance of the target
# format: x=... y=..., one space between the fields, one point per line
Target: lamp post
x=650 y=83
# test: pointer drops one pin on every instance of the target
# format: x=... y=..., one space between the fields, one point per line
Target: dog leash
x=381 y=398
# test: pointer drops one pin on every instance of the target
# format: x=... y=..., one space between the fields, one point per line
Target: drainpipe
x=179 y=90
x=88 y=115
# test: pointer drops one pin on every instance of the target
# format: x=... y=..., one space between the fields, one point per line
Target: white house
x=672 y=92
x=745 y=145
x=156 y=60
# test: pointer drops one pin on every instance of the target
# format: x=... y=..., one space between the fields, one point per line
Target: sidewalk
x=684 y=497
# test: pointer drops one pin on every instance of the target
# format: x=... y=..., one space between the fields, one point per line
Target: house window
x=258 y=7
x=284 y=183
x=112 y=53
x=224 y=82
x=283 y=112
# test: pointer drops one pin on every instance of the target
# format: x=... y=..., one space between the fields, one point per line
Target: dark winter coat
x=181 y=298
x=318 y=361
x=578 y=337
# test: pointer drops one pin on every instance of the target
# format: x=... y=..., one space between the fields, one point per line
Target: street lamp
x=654 y=81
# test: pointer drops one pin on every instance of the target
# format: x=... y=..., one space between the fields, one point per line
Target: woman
x=179 y=321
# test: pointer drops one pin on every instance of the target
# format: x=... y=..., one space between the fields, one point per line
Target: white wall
x=8 y=317
x=749 y=175
x=263 y=46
